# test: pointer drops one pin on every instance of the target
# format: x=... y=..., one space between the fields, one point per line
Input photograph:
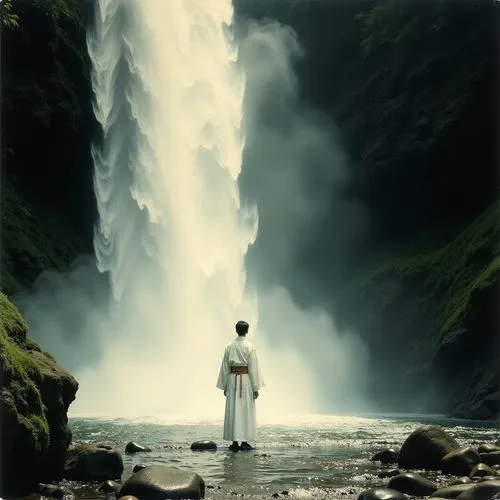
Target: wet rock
x=389 y=473
x=452 y=491
x=488 y=448
x=53 y=491
x=381 y=493
x=460 y=462
x=461 y=480
x=482 y=491
x=488 y=478
x=481 y=470
x=128 y=497
x=133 y=447
x=425 y=447
x=91 y=462
x=387 y=456
x=275 y=495
x=110 y=487
x=203 y=446
x=157 y=482
x=284 y=492
x=139 y=467
x=412 y=484
x=491 y=458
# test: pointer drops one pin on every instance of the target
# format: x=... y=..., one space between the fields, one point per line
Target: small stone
x=389 y=473
x=109 y=487
x=203 y=446
x=488 y=448
x=481 y=470
x=461 y=480
x=139 y=467
x=387 y=456
x=133 y=447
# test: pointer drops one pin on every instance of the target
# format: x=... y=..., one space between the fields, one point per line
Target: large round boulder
x=413 y=484
x=492 y=458
x=133 y=447
x=387 y=456
x=482 y=491
x=488 y=448
x=481 y=470
x=460 y=462
x=93 y=462
x=452 y=491
x=425 y=447
x=203 y=446
x=381 y=493
x=158 y=482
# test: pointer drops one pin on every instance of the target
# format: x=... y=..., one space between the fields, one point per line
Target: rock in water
x=413 y=484
x=139 y=467
x=452 y=491
x=380 y=493
x=488 y=447
x=482 y=491
x=203 y=446
x=135 y=448
x=110 y=487
x=34 y=400
x=481 y=470
x=460 y=462
x=492 y=458
x=461 y=480
x=387 y=456
x=425 y=447
x=90 y=462
x=53 y=491
x=158 y=482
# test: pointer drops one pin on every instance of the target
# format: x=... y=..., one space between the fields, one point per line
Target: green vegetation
x=437 y=286
x=22 y=374
x=9 y=18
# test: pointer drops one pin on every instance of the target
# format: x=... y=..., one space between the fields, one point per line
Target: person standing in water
x=240 y=379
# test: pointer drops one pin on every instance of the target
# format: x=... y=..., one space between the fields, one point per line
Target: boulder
x=460 y=462
x=481 y=470
x=452 y=491
x=461 y=480
x=492 y=458
x=413 y=484
x=387 y=456
x=34 y=400
x=381 y=493
x=158 y=482
x=203 y=446
x=53 y=491
x=93 y=462
x=110 y=486
x=486 y=490
x=488 y=448
x=133 y=447
x=425 y=447
x=389 y=473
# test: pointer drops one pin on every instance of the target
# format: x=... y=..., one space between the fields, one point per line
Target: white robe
x=239 y=417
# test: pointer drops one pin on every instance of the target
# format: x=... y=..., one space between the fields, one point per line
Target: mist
x=211 y=180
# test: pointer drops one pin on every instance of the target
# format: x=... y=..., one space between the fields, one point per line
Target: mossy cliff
x=35 y=396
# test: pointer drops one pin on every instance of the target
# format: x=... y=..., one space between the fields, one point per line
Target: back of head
x=242 y=328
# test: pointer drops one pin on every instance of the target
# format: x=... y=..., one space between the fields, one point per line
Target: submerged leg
x=234 y=446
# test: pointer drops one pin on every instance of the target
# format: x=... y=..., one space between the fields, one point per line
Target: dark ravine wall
x=412 y=87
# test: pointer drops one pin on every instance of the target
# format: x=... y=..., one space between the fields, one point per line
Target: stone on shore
x=460 y=462
x=139 y=467
x=482 y=491
x=491 y=458
x=203 y=446
x=381 y=493
x=110 y=486
x=91 y=462
x=481 y=470
x=461 y=480
x=158 y=482
x=387 y=456
x=53 y=491
x=452 y=491
x=488 y=448
x=133 y=447
x=412 y=484
x=425 y=447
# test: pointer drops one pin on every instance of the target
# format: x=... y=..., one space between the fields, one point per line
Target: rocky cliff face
x=35 y=396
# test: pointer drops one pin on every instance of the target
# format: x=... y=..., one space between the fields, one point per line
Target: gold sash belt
x=239 y=370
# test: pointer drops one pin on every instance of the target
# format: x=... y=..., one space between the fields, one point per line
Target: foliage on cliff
x=34 y=398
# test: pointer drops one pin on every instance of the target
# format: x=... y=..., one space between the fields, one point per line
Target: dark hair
x=241 y=327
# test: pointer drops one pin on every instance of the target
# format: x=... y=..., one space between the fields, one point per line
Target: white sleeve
x=224 y=372
x=254 y=373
